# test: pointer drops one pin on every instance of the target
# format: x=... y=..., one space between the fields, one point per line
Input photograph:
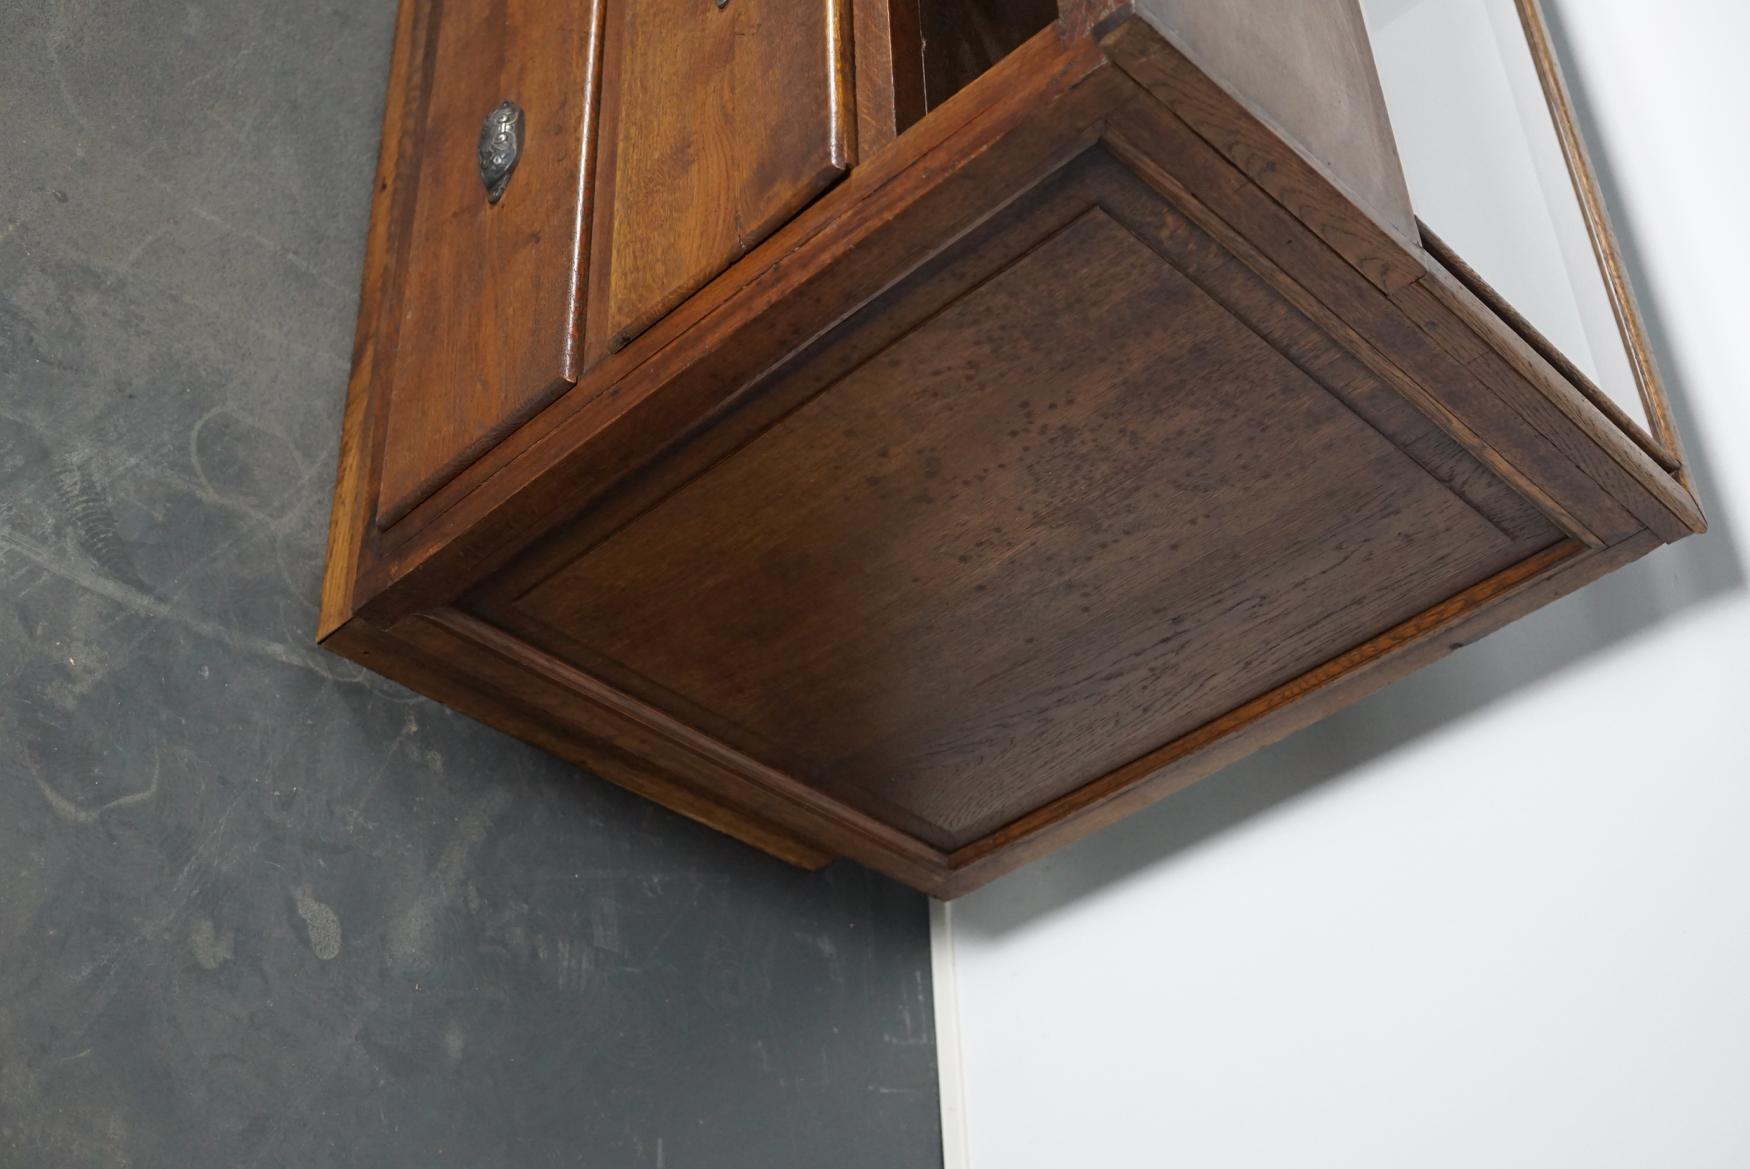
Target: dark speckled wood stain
x=257 y=907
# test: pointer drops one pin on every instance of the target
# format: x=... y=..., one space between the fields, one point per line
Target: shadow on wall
x=1632 y=601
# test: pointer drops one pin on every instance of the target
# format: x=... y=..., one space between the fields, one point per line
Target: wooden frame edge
x=495 y=677
x=1656 y=496
x=462 y=523
x=1299 y=183
x=352 y=530
x=1455 y=265
x=348 y=515
x=1361 y=349
x=1623 y=301
x=1396 y=268
x=393 y=656
x=1369 y=667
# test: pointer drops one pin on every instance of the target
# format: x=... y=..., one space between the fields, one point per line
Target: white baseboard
x=950 y=1071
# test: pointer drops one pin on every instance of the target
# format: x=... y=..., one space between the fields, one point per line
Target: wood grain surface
x=352 y=528
x=491 y=300
x=722 y=121
x=1305 y=68
x=985 y=568
x=889 y=46
x=952 y=170
x=1086 y=436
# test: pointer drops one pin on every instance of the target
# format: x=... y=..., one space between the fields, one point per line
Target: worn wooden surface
x=722 y=122
x=261 y=906
x=962 y=39
x=887 y=40
x=1083 y=438
x=989 y=565
x=1604 y=242
x=490 y=301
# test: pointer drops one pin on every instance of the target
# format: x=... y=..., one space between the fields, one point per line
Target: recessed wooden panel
x=489 y=311
x=985 y=569
x=722 y=120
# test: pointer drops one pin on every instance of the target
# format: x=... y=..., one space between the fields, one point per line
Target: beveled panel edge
x=1179 y=202
x=1263 y=154
x=1575 y=514
x=353 y=538
x=1455 y=265
x=1549 y=400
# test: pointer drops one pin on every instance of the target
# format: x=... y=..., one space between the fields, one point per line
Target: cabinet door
x=721 y=119
x=490 y=290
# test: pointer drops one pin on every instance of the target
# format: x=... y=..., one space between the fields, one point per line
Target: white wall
x=1486 y=172
x=1498 y=916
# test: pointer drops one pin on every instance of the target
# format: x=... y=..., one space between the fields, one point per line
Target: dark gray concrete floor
x=258 y=908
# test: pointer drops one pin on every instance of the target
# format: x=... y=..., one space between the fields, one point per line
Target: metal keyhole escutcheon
x=501 y=145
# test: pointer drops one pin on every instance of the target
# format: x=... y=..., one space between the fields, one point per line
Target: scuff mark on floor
x=320 y=922
x=212 y=949
x=75 y=813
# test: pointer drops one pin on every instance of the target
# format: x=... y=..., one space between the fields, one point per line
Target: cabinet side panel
x=351 y=527
x=1306 y=67
x=721 y=121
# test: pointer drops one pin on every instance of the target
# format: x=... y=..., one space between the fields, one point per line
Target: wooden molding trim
x=417 y=602
x=527 y=693
x=1119 y=142
x=410 y=661
x=352 y=532
x=864 y=233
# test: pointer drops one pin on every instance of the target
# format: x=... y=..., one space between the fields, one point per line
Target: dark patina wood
x=1100 y=425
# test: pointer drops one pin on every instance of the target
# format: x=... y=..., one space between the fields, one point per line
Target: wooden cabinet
x=923 y=431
